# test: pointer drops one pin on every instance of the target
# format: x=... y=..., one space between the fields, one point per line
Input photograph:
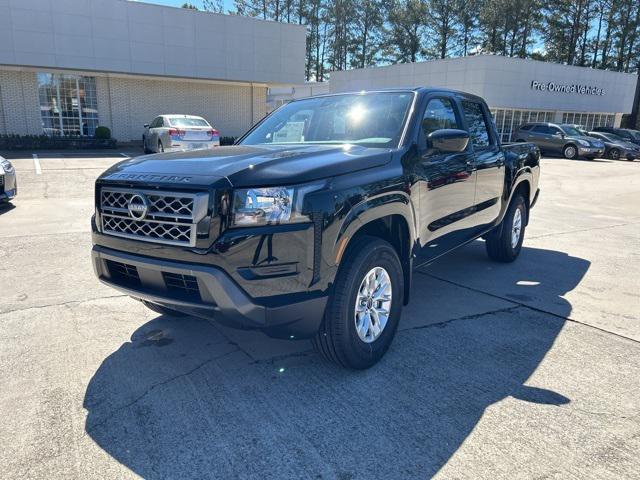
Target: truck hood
x=245 y=166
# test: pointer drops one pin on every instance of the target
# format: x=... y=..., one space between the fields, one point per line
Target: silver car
x=8 y=181
x=169 y=133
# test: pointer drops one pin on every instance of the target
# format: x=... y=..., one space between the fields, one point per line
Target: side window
x=541 y=129
x=526 y=127
x=478 y=129
x=439 y=114
x=555 y=131
x=157 y=122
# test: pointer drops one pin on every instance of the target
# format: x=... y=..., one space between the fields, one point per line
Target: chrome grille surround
x=171 y=217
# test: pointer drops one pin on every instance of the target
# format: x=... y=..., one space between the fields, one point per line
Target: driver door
x=447 y=183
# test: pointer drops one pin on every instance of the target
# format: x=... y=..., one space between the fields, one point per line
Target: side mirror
x=146 y=125
x=448 y=140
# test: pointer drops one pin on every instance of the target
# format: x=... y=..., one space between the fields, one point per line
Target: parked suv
x=560 y=139
x=629 y=135
x=311 y=225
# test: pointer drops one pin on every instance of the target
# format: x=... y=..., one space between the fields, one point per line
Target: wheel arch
x=389 y=217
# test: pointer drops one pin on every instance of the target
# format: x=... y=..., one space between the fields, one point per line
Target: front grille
x=162 y=231
x=182 y=286
x=170 y=217
x=123 y=274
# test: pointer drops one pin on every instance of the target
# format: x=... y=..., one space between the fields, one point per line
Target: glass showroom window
x=508 y=120
x=68 y=104
x=589 y=120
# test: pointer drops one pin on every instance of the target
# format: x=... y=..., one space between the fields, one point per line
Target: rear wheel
x=505 y=242
x=163 y=310
x=570 y=151
x=614 y=154
x=364 y=310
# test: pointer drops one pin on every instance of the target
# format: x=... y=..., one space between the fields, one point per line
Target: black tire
x=160 y=147
x=164 y=310
x=337 y=340
x=144 y=145
x=499 y=242
x=614 y=154
x=570 y=151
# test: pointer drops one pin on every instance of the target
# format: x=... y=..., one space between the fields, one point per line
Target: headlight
x=584 y=143
x=270 y=205
x=6 y=165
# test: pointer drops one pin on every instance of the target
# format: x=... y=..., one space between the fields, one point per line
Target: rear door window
x=478 y=128
x=541 y=129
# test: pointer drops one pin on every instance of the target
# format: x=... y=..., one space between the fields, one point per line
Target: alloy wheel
x=373 y=304
x=516 y=228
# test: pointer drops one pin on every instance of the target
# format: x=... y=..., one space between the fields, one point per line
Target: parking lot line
x=36 y=164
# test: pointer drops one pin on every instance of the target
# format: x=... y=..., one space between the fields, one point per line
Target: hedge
x=45 y=142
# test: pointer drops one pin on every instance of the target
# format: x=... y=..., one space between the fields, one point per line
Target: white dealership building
x=516 y=90
x=67 y=66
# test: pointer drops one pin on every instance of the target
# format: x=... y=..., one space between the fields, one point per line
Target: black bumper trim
x=223 y=299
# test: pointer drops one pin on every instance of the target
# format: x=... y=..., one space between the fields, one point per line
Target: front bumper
x=205 y=291
x=590 y=152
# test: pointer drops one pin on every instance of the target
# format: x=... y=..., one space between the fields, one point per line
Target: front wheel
x=614 y=154
x=570 y=152
x=144 y=145
x=364 y=310
x=505 y=242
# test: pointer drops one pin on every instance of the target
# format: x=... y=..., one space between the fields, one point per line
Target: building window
x=589 y=120
x=68 y=104
x=507 y=121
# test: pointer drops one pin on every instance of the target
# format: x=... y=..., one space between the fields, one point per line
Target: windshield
x=613 y=137
x=188 y=122
x=372 y=119
x=632 y=134
x=571 y=131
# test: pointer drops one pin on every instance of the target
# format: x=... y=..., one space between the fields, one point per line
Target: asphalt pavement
x=526 y=370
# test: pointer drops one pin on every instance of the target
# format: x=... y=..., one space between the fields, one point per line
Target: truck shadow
x=182 y=401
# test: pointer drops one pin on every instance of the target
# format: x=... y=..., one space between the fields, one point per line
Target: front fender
x=371 y=209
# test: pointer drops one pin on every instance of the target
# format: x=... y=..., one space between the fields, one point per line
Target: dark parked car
x=556 y=139
x=629 y=135
x=617 y=147
x=311 y=225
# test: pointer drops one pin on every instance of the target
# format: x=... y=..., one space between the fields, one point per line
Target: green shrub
x=227 y=140
x=46 y=142
x=103 y=133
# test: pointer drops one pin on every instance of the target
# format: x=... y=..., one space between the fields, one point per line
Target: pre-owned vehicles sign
x=566 y=88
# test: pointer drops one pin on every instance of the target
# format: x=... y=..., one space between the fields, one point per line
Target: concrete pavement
x=528 y=370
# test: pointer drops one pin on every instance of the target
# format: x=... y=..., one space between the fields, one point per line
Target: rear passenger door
x=541 y=136
x=489 y=161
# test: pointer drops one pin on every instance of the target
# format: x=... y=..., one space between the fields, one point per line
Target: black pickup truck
x=310 y=226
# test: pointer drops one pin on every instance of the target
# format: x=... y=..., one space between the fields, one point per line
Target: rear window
x=188 y=122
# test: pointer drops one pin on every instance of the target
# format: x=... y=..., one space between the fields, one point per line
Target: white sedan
x=169 y=133
x=8 y=181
